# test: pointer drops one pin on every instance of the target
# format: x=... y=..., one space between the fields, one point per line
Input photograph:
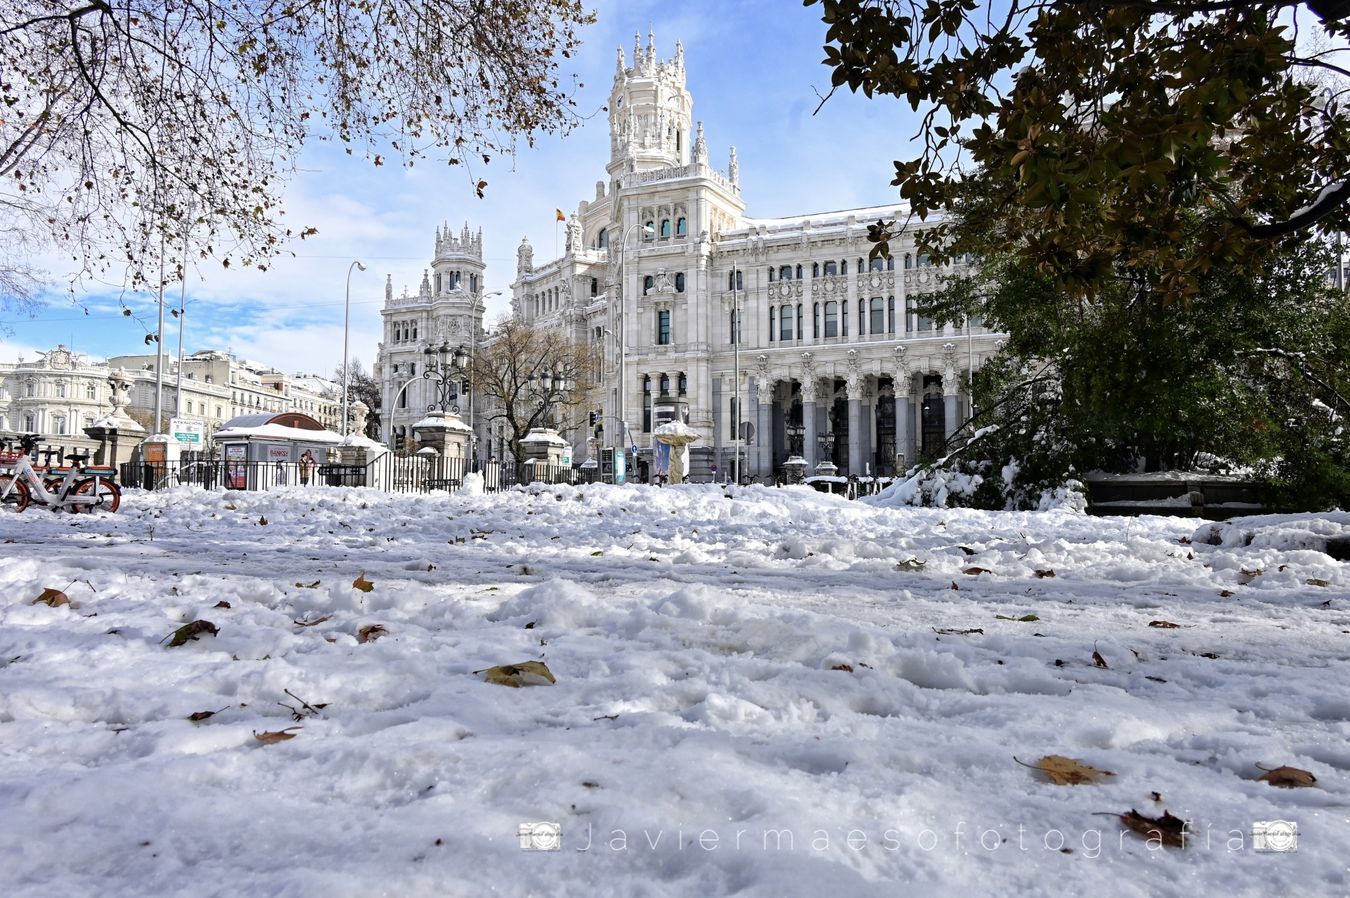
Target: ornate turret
x=734 y=170
x=700 y=147
x=650 y=111
x=458 y=263
x=524 y=257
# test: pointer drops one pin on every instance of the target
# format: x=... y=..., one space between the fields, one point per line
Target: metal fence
x=403 y=474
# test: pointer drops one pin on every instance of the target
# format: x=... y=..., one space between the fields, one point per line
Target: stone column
x=904 y=390
x=855 y=434
x=809 y=423
x=765 y=427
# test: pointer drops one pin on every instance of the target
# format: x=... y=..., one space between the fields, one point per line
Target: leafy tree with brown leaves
x=1099 y=128
x=509 y=370
x=126 y=125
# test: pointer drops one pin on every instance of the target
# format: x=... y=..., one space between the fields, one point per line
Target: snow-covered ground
x=778 y=693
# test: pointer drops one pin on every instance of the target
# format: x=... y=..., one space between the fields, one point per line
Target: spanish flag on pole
x=561 y=217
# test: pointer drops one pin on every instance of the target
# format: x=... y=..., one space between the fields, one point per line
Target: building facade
x=445 y=314
x=703 y=313
x=60 y=393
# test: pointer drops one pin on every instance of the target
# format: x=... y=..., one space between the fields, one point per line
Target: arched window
x=438 y=282
x=647 y=283
x=771 y=275
x=890 y=314
x=861 y=267
x=649 y=230
x=843 y=318
x=683 y=384
x=815 y=269
x=681 y=227
x=909 y=260
x=831 y=269
x=785 y=273
x=679 y=282
x=772 y=313
x=665 y=227
x=665 y=385
x=925 y=261
x=877 y=264
x=595 y=286
x=815 y=321
x=799 y=272
x=890 y=263
x=735 y=280
x=602 y=239
x=785 y=323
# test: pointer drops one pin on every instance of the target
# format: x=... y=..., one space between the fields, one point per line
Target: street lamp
x=443 y=367
x=346 y=331
x=648 y=231
x=548 y=387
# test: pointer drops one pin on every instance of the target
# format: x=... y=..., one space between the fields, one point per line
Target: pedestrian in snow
x=306 y=467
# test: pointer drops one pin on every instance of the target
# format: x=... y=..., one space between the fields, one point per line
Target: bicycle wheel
x=109 y=495
x=15 y=493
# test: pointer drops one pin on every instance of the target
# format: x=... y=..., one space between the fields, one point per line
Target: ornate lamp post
x=444 y=369
x=548 y=388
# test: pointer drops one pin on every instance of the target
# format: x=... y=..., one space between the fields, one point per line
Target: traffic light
x=593 y=417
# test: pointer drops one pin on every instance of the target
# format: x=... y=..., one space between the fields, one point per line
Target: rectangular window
x=831 y=319
x=878 y=323
x=785 y=323
x=663 y=327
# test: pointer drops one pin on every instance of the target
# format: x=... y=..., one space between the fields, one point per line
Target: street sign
x=185 y=431
x=634 y=451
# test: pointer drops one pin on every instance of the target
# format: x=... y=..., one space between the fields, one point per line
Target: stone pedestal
x=543 y=446
x=444 y=432
x=794 y=469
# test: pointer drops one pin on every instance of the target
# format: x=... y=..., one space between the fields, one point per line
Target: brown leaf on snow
x=1248 y=575
x=1317 y=581
x=1288 y=777
x=527 y=673
x=221 y=604
x=954 y=586
x=847 y=668
x=1225 y=593
x=190 y=631
x=53 y=597
x=1045 y=572
x=1098 y=660
x=312 y=623
x=199 y=716
x=955 y=631
x=976 y=571
x=1064 y=771
x=1165 y=830
x=1163 y=624
x=362 y=583
x=262 y=520
x=370 y=633
x=272 y=737
x=1157 y=796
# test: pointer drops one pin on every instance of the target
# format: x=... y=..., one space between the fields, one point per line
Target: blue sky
x=754 y=72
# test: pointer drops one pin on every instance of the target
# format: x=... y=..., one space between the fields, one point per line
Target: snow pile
x=758 y=691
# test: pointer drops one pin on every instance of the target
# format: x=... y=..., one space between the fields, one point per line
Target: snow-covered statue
x=524 y=257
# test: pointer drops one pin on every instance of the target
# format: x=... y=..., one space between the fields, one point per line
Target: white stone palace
x=831 y=362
